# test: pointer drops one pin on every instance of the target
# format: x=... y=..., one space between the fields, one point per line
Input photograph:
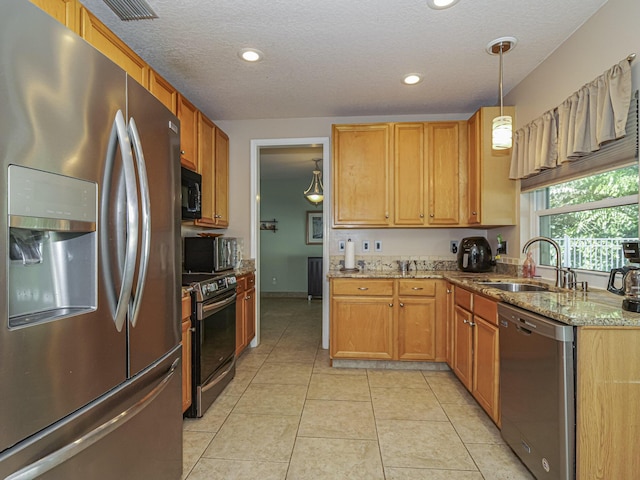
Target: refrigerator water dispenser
x=52 y=256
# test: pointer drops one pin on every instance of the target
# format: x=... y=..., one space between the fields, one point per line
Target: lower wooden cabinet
x=476 y=354
x=245 y=311
x=463 y=346
x=186 y=352
x=387 y=319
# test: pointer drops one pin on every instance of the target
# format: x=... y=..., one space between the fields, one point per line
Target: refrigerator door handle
x=119 y=132
x=146 y=221
x=72 y=449
x=119 y=137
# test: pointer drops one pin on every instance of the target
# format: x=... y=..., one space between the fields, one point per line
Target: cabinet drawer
x=251 y=280
x=357 y=286
x=424 y=288
x=486 y=308
x=464 y=298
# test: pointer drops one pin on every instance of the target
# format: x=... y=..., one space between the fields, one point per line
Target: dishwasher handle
x=510 y=316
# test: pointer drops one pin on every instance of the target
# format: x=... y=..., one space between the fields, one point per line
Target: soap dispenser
x=529 y=266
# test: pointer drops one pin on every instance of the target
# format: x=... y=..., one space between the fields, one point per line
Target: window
x=589 y=218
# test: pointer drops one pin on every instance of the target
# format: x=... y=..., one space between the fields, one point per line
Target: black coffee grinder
x=630 y=289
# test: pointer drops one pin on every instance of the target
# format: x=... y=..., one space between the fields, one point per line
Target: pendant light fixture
x=315 y=191
x=502 y=130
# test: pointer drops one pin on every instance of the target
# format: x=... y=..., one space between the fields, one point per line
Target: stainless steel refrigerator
x=90 y=376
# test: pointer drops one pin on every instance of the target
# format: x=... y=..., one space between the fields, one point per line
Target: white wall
x=606 y=38
x=241 y=132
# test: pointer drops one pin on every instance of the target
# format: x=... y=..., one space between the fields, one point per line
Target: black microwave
x=191 y=194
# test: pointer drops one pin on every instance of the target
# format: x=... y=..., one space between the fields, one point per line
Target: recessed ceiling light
x=412 y=79
x=250 y=55
x=441 y=4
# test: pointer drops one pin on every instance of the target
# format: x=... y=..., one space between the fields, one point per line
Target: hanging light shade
x=315 y=192
x=502 y=130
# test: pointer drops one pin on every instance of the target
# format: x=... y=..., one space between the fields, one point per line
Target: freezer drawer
x=142 y=421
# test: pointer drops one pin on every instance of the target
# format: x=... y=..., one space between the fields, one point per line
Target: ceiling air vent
x=131 y=9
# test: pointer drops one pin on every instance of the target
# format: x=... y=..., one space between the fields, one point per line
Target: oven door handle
x=208 y=308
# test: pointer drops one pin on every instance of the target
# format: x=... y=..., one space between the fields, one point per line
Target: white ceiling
x=326 y=58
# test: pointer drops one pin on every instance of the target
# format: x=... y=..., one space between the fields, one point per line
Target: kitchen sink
x=515 y=286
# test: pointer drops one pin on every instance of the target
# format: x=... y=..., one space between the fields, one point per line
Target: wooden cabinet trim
x=97 y=34
x=163 y=91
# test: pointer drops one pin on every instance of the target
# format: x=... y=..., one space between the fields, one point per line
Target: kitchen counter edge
x=595 y=308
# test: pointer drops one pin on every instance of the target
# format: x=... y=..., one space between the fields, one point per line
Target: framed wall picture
x=314 y=228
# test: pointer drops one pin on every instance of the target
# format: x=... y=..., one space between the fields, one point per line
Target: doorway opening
x=316 y=147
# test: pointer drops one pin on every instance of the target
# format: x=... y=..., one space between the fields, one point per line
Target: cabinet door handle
x=471 y=324
x=391 y=304
x=181 y=152
x=363 y=288
x=386 y=215
x=422 y=215
x=448 y=291
x=474 y=213
x=402 y=304
x=431 y=215
x=417 y=288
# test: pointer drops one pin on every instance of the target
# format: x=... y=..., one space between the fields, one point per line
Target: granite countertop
x=593 y=308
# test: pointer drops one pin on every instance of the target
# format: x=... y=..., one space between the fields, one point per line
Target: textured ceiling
x=344 y=58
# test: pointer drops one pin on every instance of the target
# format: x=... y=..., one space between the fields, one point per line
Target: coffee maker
x=630 y=289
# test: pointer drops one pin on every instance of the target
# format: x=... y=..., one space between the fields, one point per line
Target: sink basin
x=515 y=286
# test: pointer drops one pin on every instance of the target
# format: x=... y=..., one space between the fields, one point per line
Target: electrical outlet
x=365 y=245
x=377 y=245
x=454 y=246
x=274 y=280
x=341 y=245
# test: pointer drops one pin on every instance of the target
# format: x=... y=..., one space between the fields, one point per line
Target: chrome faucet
x=559 y=272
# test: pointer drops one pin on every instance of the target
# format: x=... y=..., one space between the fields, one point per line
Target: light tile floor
x=288 y=415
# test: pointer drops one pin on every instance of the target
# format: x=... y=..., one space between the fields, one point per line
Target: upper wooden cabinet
x=188 y=116
x=213 y=165
x=104 y=40
x=422 y=182
x=446 y=148
x=491 y=195
x=206 y=168
x=423 y=174
x=163 y=91
x=409 y=180
x=362 y=175
x=221 y=189
x=64 y=11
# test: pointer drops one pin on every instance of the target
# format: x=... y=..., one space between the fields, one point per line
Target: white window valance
x=591 y=117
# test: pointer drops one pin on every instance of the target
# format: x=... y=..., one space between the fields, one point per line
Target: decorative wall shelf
x=269 y=225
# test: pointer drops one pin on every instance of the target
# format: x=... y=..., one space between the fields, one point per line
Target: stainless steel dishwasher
x=537 y=391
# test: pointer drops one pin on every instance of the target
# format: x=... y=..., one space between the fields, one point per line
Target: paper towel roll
x=349 y=255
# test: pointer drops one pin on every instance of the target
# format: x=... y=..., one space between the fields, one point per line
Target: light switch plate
x=365 y=245
x=377 y=245
x=341 y=245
